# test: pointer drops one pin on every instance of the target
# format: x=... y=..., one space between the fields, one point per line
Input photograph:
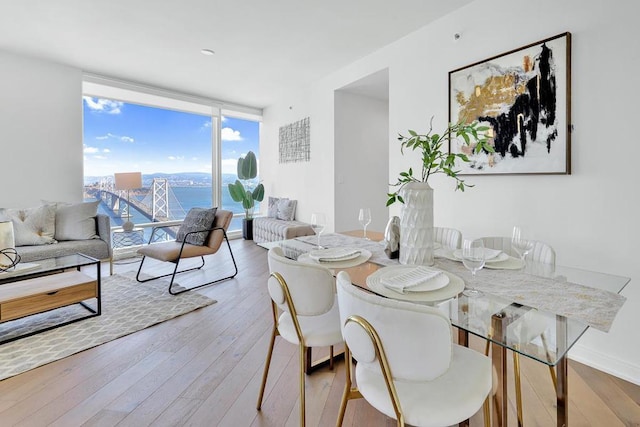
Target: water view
x=173 y=146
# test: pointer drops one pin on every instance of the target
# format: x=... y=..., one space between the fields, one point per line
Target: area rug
x=127 y=307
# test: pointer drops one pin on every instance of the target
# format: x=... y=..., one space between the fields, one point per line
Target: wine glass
x=365 y=219
x=473 y=260
x=318 y=222
x=519 y=243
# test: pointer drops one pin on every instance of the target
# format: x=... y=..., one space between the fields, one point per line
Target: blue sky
x=123 y=137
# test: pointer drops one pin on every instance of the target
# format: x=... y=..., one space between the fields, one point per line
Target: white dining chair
x=449 y=238
x=531 y=325
x=541 y=252
x=407 y=365
x=305 y=312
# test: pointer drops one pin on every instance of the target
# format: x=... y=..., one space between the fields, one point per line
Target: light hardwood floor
x=204 y=369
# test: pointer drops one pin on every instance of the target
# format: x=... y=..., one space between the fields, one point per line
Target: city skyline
x=125 y=137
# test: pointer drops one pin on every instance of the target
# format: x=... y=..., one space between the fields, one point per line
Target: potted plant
x=416 y=224
x=247 y=171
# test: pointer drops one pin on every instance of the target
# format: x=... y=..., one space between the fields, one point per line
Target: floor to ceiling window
x=238 y=136
x=185 y=150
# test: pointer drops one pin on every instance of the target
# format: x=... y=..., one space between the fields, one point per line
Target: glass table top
x=539 y=334
x=25 y=270
x=512 y=325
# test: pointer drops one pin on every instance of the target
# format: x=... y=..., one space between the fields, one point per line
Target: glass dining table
x=539 y=311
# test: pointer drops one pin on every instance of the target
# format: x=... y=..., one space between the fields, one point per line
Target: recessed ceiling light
x=207 y=52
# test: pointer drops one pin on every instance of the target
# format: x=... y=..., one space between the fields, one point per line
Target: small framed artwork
x=524 y=98
x=295 y=141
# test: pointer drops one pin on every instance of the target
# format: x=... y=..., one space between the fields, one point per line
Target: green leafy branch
x=436 y=160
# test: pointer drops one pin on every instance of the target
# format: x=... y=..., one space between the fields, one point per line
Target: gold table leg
x=562 y=389
x=499 y=358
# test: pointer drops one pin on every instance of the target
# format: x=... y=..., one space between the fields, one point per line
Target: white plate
x=510 y=263
x=452 y=289
x=334 y=254
x=412 y=278
x=457 y=255
x=360 y=259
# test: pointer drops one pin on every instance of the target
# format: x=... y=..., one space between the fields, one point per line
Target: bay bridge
x=159 y=204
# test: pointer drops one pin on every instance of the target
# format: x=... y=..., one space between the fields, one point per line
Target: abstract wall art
x=295 y=141
x=524 y=98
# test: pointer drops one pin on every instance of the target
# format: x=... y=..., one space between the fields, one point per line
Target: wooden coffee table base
x=40 y=294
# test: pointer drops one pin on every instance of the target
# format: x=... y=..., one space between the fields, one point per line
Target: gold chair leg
x=552 y=371
x=486 y=409
x=516 y=374
x=347 y=386
x=302 y=374
x=350 y=392
x=266 y=368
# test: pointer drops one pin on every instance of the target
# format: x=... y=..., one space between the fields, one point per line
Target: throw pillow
x=272 y=209
x=76 y=221
x=33 y=226
x=286 y=209
x=196 y=219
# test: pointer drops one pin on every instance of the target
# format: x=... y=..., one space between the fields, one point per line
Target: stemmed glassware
x=365 y=219
x=473 y=258
x=519 y=243
x=318 y=222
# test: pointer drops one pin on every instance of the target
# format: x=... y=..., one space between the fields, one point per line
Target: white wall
x=40 y=131
x=589 y=217
x=361 y=161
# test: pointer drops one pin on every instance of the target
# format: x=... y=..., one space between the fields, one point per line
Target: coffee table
x=49 y=284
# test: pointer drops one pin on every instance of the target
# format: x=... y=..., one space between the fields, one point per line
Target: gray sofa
x=96 y=248
x=266 y=229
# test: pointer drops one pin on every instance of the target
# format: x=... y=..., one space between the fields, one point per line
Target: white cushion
x=311 y=286
x=446 y=400
x=76 y=221
x=272 y=206
x=286 y=209
x=409 y=320
x=33 y=226
x=318 y=331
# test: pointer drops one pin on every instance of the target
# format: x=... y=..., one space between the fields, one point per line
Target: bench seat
x=267 y=229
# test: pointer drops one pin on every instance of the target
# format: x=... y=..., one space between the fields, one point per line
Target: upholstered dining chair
x=407 y=365
x=532 y=325
x=305 y=312
x=175 y=251
x=449 y=238
x=541 y=252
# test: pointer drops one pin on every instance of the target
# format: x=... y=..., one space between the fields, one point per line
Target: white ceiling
x=263 y=48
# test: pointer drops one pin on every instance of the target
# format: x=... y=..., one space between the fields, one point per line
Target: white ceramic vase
x=416 y=224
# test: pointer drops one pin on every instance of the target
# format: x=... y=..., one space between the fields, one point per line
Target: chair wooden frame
x=176 y=261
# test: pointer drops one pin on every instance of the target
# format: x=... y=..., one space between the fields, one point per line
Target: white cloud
x=101 y=105
x=229 y=134
x=99 y=157
x=113 y=136
x=106 y=150
x=223 y=119
x=175 y=157
x=90 y=150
